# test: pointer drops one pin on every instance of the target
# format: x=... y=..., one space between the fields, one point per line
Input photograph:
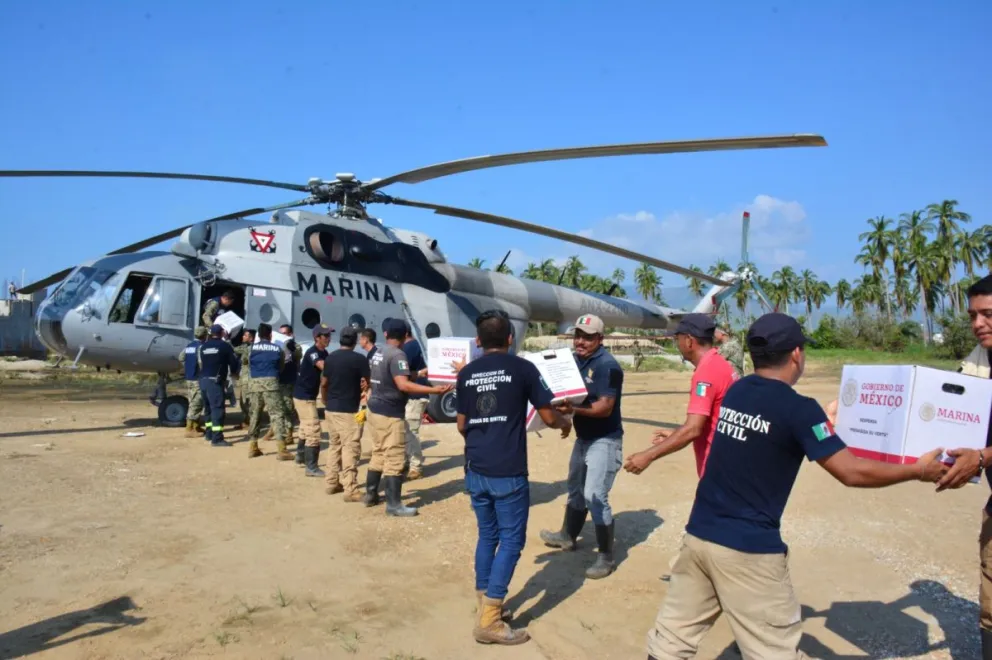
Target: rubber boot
x=372 y=480
x=313 y=467
x=505 y=615
x=491 y=629
x=394 y=501
x=301 y=459
x=191 y=429
x=570 y=528
x=253 y=450
x=282 y=454
x=604 y=561
x=986 y=644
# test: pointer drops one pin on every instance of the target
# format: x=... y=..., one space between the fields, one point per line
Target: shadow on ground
x=50 y=633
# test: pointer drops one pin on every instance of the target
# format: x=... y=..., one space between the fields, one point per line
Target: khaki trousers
x=985 y=555
x=310 y=431
x=388 y=444
x=753 y=590
x=343 y=450
x=414 y=417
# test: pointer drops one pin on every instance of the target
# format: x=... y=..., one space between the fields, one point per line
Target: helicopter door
x=272 y=306
x=166 y=304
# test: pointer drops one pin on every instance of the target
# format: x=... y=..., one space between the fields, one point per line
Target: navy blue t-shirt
x=765 y=431
x=415 y=356
x=308 y=380
x=492 y=393
x=603 y=377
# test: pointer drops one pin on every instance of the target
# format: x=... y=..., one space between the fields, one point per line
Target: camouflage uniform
x=210 y=311
x=732 y=352
x=193 y=393
x=265 y=394
x=244 y=379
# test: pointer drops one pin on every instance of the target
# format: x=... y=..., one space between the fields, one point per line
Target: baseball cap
x=775 y=333
x=216 y=330
x=589 y=324
x=700 y=326
x=349 y=332
x=395 y=326
x=322 y=329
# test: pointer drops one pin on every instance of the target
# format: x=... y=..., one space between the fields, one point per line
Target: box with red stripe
x=561 y=374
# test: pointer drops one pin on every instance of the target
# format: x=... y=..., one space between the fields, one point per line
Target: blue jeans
x=502 y=505
x=591 y=471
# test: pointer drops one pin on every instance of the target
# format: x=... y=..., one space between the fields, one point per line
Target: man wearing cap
x=188 y=360
x=243 y=351
x=712 y=378
x=597 y=454
x=217 y=306
x=732 y=558
x=730 y=349
x=415 y=407
x=305 y=392
x=346 y=377
x=391 y=387
x=287 y=381
x=266 y=362
x=215 y=360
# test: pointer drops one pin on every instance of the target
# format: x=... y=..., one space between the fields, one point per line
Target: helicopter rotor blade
x=555 y=233
x=483 y=162
x=152 y=175
x=158 y=238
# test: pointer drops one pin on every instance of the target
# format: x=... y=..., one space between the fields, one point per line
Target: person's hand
x=443 y=389
x=966 y=462
x=660 y=436
x=831 y=411
x=422 y=372
x=565 y=407
x=637 y=463
x=456 y=365
x=931 y=469
x=566 y=428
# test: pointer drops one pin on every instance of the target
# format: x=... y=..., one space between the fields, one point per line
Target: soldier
x=215 y=359
x=266 y=361
x=346 y=376
x=287 y=381
x=391 y=386
x=597 y=453
x=415 y=407
x=730 y=349
x=305 y=392
x=217 y=306
x=188 y=359
x=243 y=350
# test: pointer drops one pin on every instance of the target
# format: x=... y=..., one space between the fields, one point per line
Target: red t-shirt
x=711 y=380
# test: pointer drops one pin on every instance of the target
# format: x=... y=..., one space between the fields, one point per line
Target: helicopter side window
x=130 y=297
x=165 y=303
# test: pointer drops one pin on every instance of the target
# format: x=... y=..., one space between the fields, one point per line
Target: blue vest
x=189 y=359
x=217 y=359
x=263 y=361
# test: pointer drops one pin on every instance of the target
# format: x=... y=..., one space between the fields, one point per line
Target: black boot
x=570 y=528
x=372 y=480
x=986 y=644
x=394 y=501
x=301 y=453
x=313 y=466
x=604 y=561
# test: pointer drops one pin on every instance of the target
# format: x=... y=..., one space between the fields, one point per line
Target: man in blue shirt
x=188 y=360
x=305 y=393
x=492 y=393
x=415 y=407
x=598 y=451
x=215 y=360
x=732 y=558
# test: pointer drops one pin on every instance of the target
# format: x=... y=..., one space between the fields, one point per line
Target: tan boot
x=253 y=450
x=282 y=454
x=491 y=629
x=479 y=595
x=414 y=474
x=353 y=496
x=191 y=429
x=334 y=490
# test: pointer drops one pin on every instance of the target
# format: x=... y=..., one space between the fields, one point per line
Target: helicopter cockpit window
x=101 y=301
x=79 y=286
x=132 y=293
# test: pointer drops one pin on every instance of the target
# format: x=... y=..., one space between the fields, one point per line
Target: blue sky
x=899 y=89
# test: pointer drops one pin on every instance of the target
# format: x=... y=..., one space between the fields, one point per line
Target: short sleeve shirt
x=415 y=357
x=386 y=399
x=308 y=379
x=344 y=370
x=710 y=382
x=492 y=392
x=765 y=431
x=603 y=377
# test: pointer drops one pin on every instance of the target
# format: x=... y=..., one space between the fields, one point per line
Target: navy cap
x=322 y=329
x=395 y=325
x=775 y=333
x=216 y=330
x=700 y=326
x=349 y=332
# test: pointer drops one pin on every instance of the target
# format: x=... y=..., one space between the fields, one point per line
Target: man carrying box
x=493 y=392
x=598 y=451
x=733 y=559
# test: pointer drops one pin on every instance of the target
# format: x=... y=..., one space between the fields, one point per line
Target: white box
x=562 y=376
x=442 y=351
x=895 y=414
x=231 y=322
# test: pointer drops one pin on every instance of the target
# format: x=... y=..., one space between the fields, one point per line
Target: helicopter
x=134 y=310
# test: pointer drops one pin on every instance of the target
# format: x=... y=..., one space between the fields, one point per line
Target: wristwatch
x=981 y=462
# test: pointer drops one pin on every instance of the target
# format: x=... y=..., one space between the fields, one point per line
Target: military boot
x=570 y=528
x=253 y=450
x=282 y=454
x=604 y=560
x=313 y=467
x=372 y=480
x=505 y=614
x=301 y=459
x=191 y=429
x=394 y=499
x=491 y=629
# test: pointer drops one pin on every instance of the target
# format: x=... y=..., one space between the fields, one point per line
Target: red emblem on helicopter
x=263 y=242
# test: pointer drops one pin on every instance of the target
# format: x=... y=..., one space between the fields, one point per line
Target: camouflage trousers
x=289 y=408
x=271 y=401
x=195 y=400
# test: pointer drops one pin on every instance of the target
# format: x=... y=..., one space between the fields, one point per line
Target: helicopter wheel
x=443 y=409
x=172 y=411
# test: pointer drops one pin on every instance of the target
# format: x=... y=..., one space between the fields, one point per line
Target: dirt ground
x=163 y=547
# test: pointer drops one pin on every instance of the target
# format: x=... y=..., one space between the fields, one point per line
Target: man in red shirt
x=711 y=380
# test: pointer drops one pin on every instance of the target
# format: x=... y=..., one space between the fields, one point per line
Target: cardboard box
x=442 y=351
x=897 y=413
x=562 y=375
x=231 y=322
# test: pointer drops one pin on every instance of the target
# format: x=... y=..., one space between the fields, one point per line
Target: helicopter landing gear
x=171 y=409
x=443 y=408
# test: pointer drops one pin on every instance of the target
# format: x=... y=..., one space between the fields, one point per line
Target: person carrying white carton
x=598 y=451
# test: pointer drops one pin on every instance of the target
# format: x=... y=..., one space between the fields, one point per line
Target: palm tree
x=786 y=283
x=503 y=268
x=549 y=271
x=946 y=218
x=573 y=268
x=719 y=268
x=532 y=272
x=476 y=262
x=648 y=283
x=971 y=249
x=843 y=293
x=808 y=285
x=696 y=286
x=879 y=242
x=618 y=276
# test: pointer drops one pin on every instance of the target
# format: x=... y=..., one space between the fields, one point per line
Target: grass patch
x=833 y=359
x=655 y=363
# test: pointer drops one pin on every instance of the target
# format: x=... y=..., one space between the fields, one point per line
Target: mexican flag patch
x=823 y=431
x=702 y=389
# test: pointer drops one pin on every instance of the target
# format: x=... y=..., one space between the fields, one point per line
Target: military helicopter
x=134 y=310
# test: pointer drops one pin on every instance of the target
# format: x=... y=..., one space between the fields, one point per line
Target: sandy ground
x=163 y=547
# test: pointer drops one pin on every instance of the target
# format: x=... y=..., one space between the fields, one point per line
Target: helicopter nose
x=48 y=324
